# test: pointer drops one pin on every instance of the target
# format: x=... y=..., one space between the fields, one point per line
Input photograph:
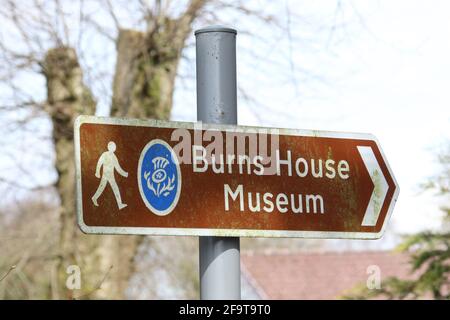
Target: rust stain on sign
x=155 y=177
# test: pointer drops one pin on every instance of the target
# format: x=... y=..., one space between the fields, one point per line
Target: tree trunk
x=145 y=76
x=143 y=88
x=144 y=81
x=101 y=259
x=67 y=97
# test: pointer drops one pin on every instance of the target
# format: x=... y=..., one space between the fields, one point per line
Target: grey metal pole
x=220 y=276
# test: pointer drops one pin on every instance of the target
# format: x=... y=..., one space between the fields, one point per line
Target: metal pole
x=220 y=276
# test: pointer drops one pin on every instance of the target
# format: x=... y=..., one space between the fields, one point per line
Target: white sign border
x=222 y=232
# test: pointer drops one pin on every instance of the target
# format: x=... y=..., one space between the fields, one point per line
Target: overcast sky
x=390 y=77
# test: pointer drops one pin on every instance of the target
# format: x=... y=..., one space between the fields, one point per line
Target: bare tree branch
x=97 y=287
x=7 y=272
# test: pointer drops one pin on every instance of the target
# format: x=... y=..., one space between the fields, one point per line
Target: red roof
x=325 y=275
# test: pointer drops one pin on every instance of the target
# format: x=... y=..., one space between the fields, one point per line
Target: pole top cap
x=215 y=28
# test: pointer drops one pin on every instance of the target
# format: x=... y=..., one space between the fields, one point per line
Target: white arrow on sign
x=380 y=186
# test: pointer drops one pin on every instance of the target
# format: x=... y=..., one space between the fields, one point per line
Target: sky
x=377 y=67
x=389 y=77
x=399 y=93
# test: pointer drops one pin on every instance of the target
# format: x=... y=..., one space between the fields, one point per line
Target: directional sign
x=174 y=178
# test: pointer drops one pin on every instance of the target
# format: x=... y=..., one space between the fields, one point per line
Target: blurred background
x=372 y=66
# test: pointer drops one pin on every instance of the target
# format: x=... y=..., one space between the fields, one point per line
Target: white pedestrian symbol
x=109 y=162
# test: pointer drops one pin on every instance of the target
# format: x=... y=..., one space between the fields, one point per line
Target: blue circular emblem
x=159 y=177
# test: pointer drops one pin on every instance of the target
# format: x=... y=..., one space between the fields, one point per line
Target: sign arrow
x=380 y=189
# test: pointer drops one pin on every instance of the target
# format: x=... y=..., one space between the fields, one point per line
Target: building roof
x=325 y=275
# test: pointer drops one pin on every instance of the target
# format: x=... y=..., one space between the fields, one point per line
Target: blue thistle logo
x=159 y=177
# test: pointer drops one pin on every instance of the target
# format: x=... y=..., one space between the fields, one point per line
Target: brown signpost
x=174 y=178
